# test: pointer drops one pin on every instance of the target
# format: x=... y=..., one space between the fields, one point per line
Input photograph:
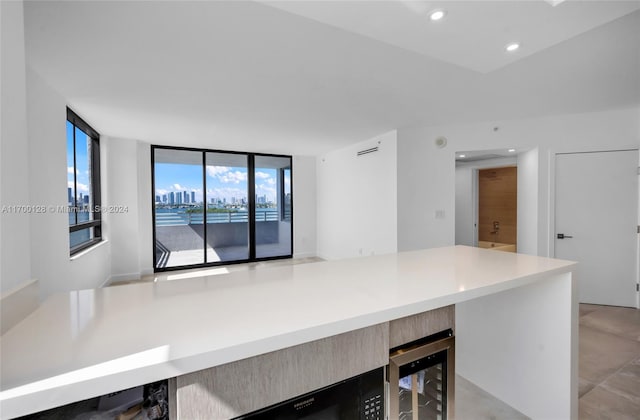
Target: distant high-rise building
x=179 y=198
x=157 y=198
x=185 y=197
x=85 y=200
x=193 y=197
x=70 y=196
x=164 y=198
x=172 y=198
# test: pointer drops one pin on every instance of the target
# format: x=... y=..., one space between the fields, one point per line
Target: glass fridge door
x=421 y=379
x=423 y=388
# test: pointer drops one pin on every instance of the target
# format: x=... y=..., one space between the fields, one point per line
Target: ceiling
x=473 y=34
x=308 y=77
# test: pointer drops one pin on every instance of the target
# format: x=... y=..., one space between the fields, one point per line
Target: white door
x=596 y=203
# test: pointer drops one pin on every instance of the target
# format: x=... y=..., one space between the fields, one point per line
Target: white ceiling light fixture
x=554 y=3
x=436 y=15
x=512 y=47
x=462 y=156
x=512 y=150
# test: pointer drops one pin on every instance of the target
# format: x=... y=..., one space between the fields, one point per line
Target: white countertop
x=86 y=343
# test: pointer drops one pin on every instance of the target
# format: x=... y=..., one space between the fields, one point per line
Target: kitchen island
x=515 y=325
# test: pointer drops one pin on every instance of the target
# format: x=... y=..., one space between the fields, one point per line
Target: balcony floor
x=220 y=254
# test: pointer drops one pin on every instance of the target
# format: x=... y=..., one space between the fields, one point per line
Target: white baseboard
x=304 y=255
x=147 y=272
x=18 y=303
x=121 y=277
x=323 y=256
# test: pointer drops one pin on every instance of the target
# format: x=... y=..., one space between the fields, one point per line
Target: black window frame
x=96 y=222
x=251 y=207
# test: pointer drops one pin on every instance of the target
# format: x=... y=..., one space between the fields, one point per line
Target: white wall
x=36 y=245
x=50 y=261
x=357 y=205
x=129 y=187
x=466 y=199
x=426 y=174
x=465 y=205
x=15 y=258
x=304 y=206
x=528 y=193
x=145 y=222
x=123 y=194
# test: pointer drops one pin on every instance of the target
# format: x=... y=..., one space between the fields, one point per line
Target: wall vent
x=367 y=151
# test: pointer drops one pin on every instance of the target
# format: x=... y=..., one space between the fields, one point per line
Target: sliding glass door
x=178 y=204
x=214 y=207
x=227 y=207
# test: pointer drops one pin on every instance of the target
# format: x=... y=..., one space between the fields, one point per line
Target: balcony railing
x=185 y=218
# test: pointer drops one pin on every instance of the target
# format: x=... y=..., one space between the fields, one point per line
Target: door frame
x=475 y=196
x=551 y=228
x=475 y=167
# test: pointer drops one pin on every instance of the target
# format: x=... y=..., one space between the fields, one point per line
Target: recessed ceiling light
x=437 y=15
x=512 y=47
x=512 y=150
x=462 y=156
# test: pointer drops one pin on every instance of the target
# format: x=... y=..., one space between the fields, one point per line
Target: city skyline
x=224 y=184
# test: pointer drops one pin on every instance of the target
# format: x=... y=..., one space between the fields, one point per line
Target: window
x=216 y=207
x=83 y=184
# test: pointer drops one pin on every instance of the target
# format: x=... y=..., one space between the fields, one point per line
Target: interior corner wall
x=130 y=226
x=356 y=196
x=304 y=206
x=528 y=193
x=426 y=173
x=464 y=205
x=123 y=221
x=15 y=255
x=50 y=261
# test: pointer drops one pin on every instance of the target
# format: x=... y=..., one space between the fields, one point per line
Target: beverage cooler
x=421 y=379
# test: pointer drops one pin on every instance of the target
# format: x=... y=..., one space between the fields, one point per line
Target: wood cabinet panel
x=250 y=384
x=406 y=330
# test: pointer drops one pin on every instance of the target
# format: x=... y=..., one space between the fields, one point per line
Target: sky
x=82 y=161
x=223 y=182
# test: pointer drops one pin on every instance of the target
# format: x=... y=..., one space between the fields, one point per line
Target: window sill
x=88 y=250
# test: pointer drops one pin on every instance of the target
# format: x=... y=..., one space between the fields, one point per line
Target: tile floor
x=609 y=363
